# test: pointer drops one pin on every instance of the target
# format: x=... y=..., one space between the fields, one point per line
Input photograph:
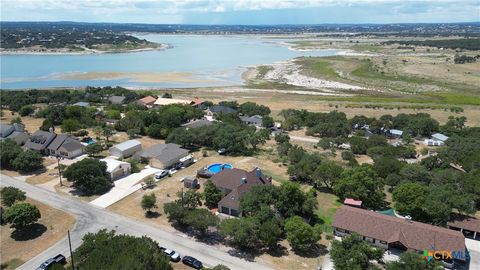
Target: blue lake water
x=218 y=59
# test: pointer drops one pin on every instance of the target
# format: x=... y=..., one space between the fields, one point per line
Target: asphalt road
x=91 y=219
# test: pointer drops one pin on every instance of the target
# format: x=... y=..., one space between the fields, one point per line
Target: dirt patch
x=53 y=221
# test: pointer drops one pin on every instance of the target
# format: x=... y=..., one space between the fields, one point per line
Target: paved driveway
x=474 y=248
x=91 y=219
x=123 y=187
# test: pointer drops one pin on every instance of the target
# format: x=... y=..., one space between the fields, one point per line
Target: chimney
x=243 y=180
x=258 y=172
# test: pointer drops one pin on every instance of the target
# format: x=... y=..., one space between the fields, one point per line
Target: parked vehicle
x=161 y=174
x=172 y=171
x=59 y=259
x=172 y=254
x=192 y=262
x=222 y=151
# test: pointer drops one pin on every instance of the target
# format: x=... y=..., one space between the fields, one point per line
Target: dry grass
x=31 y=124
x=55 y=222
x=44 y=177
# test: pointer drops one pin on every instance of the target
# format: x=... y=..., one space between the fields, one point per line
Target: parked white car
x=161 y=174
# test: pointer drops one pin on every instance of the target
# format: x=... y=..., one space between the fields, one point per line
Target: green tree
x=387 y=165
x=352 y=253
x=149 y=201
x=259 y=137
x=409 y=199
x=22 y=215
x=415 y=173
x=267 y=122
x=93 y=149
x=326 y=174
x=70 y=125
x=412 y=261
x=212 y=194
x=361 y=183
x=258 y=196
x=293 y=201
x=16 y=120
x=105 y=250
x=89 y=176
x=10 y=195
x=28 y=161
x=46 y=125
x=241 y=232
x=9 y=151
x=26 y=110
x=301 y=236
x=190 y=199
x=200 y=220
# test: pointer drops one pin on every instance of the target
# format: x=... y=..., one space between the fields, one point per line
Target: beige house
x=116 y=168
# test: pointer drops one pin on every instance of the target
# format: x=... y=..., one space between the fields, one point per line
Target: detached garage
x=117 y=169
x=125 y=149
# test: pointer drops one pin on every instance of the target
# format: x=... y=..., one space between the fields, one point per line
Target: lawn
x=327 y=207
x=52 y=227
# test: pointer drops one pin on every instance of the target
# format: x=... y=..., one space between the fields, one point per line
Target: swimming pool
x=217 y=167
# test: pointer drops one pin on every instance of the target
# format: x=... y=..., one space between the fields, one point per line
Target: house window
x=383 y=242
x=225 y=210
x=234 y=212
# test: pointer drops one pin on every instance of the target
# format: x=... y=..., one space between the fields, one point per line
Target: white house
x=125 y=149
x=431 y=142
x=116 y=168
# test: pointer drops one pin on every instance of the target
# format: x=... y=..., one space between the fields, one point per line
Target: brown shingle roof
x=148 y=100
x=413 y=235
x=231 y=179
x=464 y=222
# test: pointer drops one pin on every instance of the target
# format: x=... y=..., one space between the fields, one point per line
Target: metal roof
x=127 y=145
x=440 y=137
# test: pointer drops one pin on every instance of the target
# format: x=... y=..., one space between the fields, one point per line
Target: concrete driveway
x=473 y=247
x=123 y=187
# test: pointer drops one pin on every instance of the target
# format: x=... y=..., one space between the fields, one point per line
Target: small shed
x=352 y=202
x=126 y=149
x=190 y=182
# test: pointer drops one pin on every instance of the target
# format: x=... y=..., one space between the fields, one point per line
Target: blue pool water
x=91 y=141
x=216 y=168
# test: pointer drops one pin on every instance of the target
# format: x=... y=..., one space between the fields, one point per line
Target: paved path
x=304 y=139
x=91 y=219
x=123 y=188
x=473 y=247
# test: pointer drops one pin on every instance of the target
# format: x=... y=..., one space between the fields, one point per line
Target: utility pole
x=71 y=253
x=59 y=170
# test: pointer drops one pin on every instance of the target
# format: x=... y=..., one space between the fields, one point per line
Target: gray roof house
x=14 y=132
x=256 y=120
x=395 y=133
x=163 y=155
x=439 y=137
x=39 y=141
x=197 y=123
x=81 y=104
x=126 y=149
x=65 y=146
x=116 y=99
x=220 y=109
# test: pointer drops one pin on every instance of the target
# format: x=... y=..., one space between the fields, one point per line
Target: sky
x=247 y=12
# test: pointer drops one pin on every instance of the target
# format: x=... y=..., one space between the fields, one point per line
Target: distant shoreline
x=59 y=51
